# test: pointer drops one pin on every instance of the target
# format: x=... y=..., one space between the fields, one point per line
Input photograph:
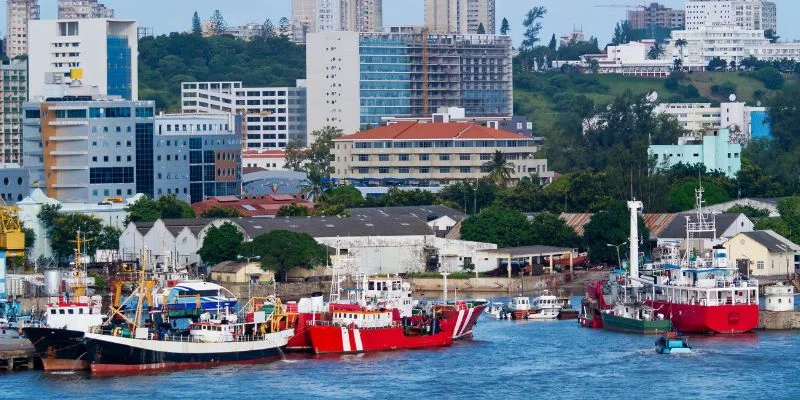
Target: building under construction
x=405 y=72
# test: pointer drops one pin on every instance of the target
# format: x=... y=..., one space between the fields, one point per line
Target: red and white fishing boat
x=702 y=292
x=356 y=331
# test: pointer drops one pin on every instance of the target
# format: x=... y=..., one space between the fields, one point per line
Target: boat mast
x=704 y=224
x=142 y=290
x=633 y=272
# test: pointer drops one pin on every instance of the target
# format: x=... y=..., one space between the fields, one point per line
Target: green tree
x=749 y=211
x=397 y=197
x=681 y=44
x=315 y=160
x=770 y=77
x=717 y=64
x=550 y=230
x=499 y=169
x=143 y=210
x=533 y=26
x=622 y=33
x=48 y=214
x=470 y=196
x=770 y=34
x=526 y=196
x=553 y=44
x=267 y=29
x=221 y=212
x=345 y=195
x=776 y=224
x=281 y=250
x=505 y=27
x=293 y=210
x=197 y=28
x=499 y=225
x=221 y=244
x=108 y=238
x=30 y=237
x=217 y=23
x=170 y=207
x=682 y=195
x=64 y=231
x=284 y=28
x=481 y=29
x=611 y=227
x=789 y=209
x=656 y=51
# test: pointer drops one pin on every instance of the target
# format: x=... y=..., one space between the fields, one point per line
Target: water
x=506 y=359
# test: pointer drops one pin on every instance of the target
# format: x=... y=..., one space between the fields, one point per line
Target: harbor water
x=505 y=360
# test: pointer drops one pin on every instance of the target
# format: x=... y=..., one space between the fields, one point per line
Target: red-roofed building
x=256 y=206
x=431 y=154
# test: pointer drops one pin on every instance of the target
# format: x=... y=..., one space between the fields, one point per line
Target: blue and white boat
x=671 y=343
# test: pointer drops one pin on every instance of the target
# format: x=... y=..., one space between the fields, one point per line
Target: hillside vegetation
x=167 y=60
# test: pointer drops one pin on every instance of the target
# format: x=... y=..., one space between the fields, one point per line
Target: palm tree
x=680 y=44
x=313 y=186
x=656 y=51
x=677 y=64
x=499 y=168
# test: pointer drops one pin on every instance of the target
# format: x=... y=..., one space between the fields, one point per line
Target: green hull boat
x=632 y=325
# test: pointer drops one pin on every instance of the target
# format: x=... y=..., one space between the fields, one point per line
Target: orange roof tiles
x=433 y=131
x=260 y=206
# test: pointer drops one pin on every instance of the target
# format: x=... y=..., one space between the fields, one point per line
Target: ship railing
x=394 y=324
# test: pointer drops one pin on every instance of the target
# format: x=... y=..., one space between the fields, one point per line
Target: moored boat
x=544 y=307
x=518 y=307
x=463 y=314
x=635 y=318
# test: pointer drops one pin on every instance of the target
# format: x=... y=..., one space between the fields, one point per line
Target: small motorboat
x=671 y=343
x=495 y=310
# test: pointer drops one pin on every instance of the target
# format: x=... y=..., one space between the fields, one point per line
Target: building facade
x=747 y=14
x=309 y=16
x=83 y=9
x=18 y=13
x=13 y=80
x=460 y=16
x=656 y=15
x=742 y=121
x=631 y=59
x=196 y=157
x=430 y=154
x=85 y=149
x=14 y=183
x=730 y=43
x=763 y=253
x=407 y=73
x=715 y=151
x=97 y=52
x=272 y=116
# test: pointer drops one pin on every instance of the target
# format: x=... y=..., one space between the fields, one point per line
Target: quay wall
x=778 y=320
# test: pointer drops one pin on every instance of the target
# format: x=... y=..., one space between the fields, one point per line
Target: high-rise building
x=747 y=14
x=274 y=116
x=656 y=15
x=87 y=148
x=197 y=156
x=18 y=13
x=310 y=16
x=13 y=80
x=97 y=52
x=83 y=9
x=460 y=16
x=405 y=73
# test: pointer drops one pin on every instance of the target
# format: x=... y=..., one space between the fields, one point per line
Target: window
x=486 y=157
x=383 y=170
x=465 y=170
x=759 y=264
x=144 y=112
x=363 y=170
x=424 y=157
x=464 y=157
x=444 y=157
x=363 y=157
x=444 y=170
x=383 y=157
x=403 y=157
x=403 y=170
x=424 y=170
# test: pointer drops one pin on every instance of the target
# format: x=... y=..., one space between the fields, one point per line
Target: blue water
x=506 y=359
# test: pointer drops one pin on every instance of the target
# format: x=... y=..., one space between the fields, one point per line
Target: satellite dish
x=732 y=97
x=652 y=97
x=758 y=103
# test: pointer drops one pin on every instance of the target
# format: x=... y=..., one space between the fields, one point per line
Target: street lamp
x=617 y=246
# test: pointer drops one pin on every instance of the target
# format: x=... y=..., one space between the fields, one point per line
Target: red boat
x=463 y=314
x=356 y=331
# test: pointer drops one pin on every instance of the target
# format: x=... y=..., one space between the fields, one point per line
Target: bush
x=672 y=83
x=723 y=89
x=770 y=77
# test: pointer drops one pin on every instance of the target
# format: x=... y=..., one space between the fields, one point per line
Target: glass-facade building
x=119 y=66
x=411 y=74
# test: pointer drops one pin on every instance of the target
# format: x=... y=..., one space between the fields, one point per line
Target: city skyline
x=177 y=15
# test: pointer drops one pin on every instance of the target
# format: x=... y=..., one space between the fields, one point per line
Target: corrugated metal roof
x=774 y=242
x=332 y=227
x=656 y=223
x=432 y=131
x=676 y=229
x=421 y=212
x=576 y=221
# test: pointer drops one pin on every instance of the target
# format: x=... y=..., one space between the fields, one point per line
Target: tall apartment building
x=405 y=73
x=18 y=13
x=103 y=51
x=273 y=116
x=83 y=9
x=86 y=148
x=197 y=156
x=430 y=154
x=13 y=80
x=310 y=16
x=460 y=16
x=748 y=14
x=656 y=15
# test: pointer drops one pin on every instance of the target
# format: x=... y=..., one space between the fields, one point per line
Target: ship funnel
x=634 y=207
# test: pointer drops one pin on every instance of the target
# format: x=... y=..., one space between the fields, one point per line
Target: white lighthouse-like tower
x=634 y=207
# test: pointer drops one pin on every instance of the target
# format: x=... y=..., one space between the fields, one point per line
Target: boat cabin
x=520 y=303
x=74 y=314
x=546 y=301
x=209 y=332
x=362 y=318
x=384 y=293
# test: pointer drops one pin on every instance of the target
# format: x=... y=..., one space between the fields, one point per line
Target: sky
x=166 y=16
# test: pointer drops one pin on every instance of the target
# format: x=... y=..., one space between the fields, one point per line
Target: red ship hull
x=335 y=339
x=464 y=318
x=693 y=318
x=301 y=341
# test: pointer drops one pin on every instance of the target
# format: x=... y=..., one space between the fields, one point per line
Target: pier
x=16 y=354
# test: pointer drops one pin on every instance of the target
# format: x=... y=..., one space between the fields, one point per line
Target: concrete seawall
x=778 y=320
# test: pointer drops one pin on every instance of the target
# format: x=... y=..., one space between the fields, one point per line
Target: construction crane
x=12 y=241
x=425 y=78
x=245 y=112
x=621 y=5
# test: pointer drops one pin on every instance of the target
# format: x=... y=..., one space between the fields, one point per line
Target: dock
x=16 y=354
x=778 y=320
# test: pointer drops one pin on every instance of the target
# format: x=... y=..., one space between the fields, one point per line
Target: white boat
x=545 y=306
x=495 y=310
